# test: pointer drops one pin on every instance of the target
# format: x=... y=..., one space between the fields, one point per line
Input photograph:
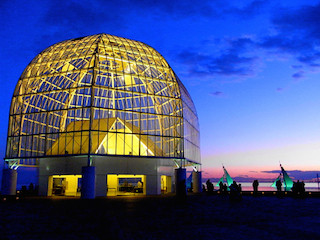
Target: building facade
x=107 y=102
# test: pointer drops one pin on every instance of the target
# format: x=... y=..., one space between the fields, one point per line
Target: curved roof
x=102 y=95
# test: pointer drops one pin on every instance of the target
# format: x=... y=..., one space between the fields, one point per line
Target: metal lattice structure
x=101 y=95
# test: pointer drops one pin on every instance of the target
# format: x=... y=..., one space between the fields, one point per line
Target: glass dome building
x=104 y=101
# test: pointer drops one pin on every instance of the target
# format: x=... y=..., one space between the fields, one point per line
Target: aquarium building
x=102 y=115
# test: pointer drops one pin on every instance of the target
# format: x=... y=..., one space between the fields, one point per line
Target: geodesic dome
x=102 y=95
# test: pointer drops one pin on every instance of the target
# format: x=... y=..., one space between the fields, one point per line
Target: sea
x=266 y=186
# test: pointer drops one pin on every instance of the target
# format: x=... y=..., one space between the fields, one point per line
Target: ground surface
x=197 y=217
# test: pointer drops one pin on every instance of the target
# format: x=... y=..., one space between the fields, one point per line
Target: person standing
x=279 y=185
x=221 y=187
x=209 y=187
x=255 y=185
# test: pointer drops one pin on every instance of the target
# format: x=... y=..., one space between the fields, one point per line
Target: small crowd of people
x=223 y=188
x=298 y=188
x=235 y=189
x=210 y=186
x=30 y=190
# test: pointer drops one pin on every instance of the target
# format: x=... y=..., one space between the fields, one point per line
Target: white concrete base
x=153 y=184
x=9 y=182
x=196 y=182
x=101 y=186
x=151 y=168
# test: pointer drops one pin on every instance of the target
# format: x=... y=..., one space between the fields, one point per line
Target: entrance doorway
x=120 y=184
x=64 y=185
x=165 y=184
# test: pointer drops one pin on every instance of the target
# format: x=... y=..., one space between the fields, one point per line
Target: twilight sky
x=251 y=67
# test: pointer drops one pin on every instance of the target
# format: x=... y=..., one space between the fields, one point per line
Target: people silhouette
x=303 y=190
x=209 y=187
x=234 y=192
x=221 y=187
x=204 y=188
x=298 y=189
x=225 y=188
x=279 y=185
x=255 y=185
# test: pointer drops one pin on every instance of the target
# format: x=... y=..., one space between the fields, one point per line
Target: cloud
x=79 y=16
x=280 y=89
x=304 y=19
x=227 y=64
x=240 y=44
x=179 y=7
x=235 y=60
x=298 y=174
x=297 y=66
x=251 y=9
x=298 y=75
x=230 y=64
x=287 y=44
x=204 y=8
x=297 y=32
x=217 y=94
x=271 y=171
x=243 y=176
x=72 y=19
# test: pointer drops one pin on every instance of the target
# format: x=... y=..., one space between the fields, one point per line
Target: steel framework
x=101 y=95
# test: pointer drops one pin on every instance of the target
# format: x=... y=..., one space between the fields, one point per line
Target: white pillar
x=9 y=182
x=101 y=185
x=180 y=180
x=44 y=185
x=196 y=182
x=88 y=184
x=153 y=185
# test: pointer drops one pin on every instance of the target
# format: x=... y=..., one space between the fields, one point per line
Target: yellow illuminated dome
x=101 y=95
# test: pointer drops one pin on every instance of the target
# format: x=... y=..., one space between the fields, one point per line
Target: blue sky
x=251 y=67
